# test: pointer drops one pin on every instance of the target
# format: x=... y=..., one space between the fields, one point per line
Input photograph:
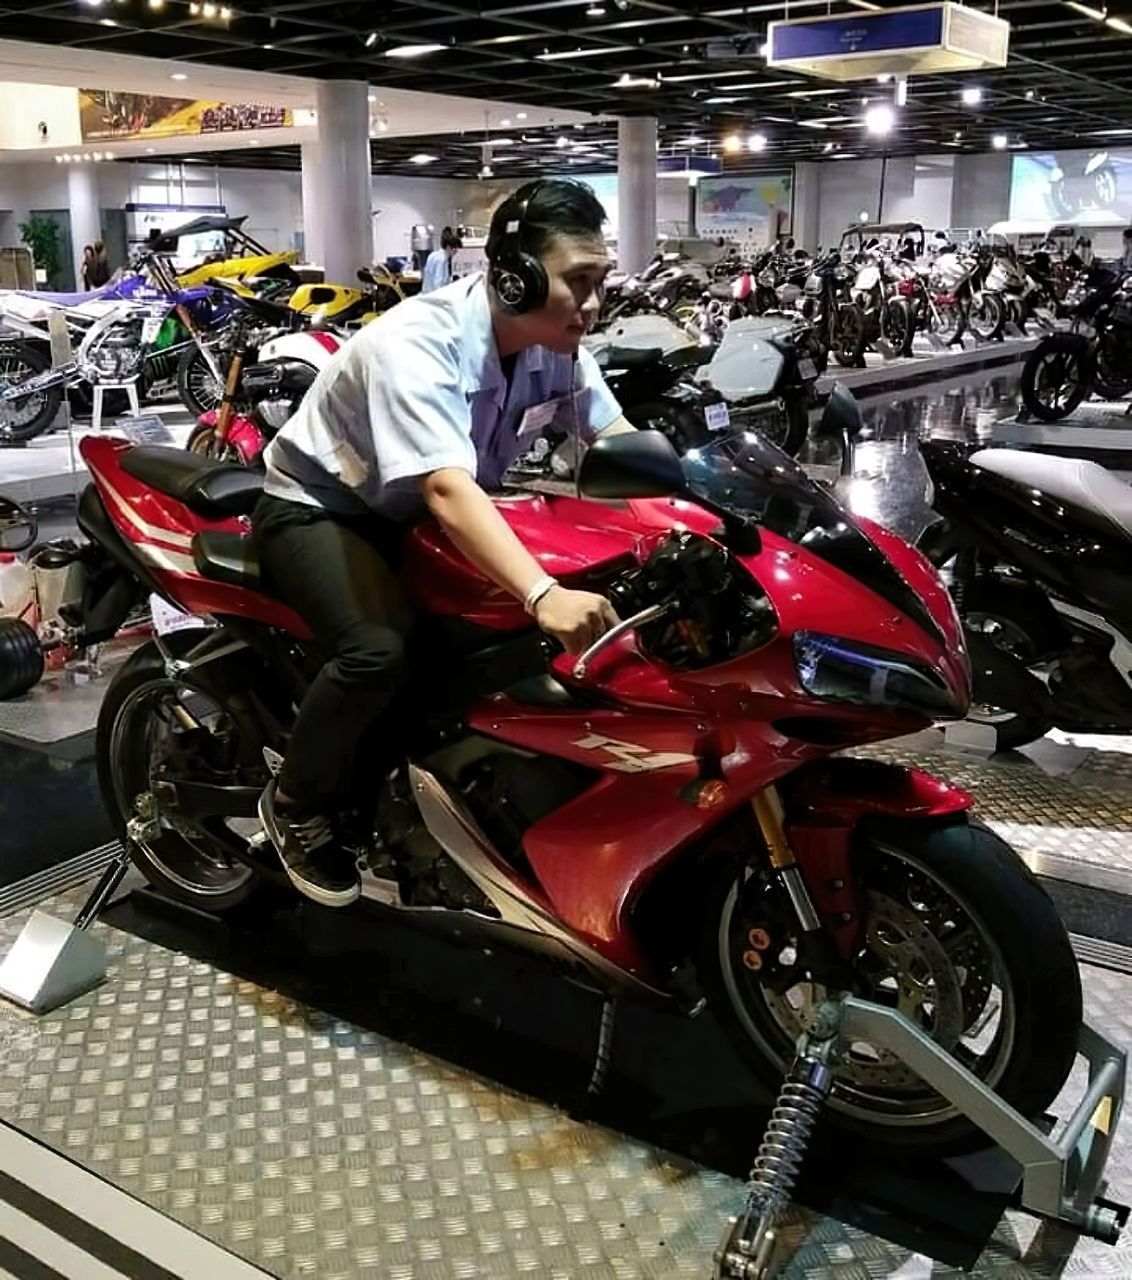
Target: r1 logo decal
x=628 y=757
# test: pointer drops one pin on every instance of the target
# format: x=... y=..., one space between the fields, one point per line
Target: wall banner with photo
x=751 y=209
x=107 y=115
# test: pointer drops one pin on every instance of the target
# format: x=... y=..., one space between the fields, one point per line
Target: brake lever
x=654 y=611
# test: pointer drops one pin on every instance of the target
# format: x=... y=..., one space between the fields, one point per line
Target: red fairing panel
x=161 y=530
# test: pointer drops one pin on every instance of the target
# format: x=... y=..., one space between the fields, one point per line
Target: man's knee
x=371 y=657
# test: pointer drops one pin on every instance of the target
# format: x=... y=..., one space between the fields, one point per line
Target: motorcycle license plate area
x=168 y=619
x=717 y=417
x=151 y=327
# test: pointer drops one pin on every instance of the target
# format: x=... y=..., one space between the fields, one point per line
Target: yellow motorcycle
x=344 y=307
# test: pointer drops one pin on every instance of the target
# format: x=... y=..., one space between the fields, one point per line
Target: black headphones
x=518 y=281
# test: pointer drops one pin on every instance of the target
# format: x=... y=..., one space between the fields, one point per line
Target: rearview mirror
x=842 y=416
x=18 y=527
x=635 y=464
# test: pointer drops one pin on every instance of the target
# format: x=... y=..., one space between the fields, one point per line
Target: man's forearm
x=470 y=519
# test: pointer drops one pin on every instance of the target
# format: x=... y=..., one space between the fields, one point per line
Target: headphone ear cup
x=538 y=285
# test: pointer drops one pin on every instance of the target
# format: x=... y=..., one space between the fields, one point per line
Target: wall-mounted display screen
x=751 y=209
x=1088 y=187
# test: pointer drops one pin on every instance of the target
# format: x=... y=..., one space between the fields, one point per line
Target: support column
x=86 y=216
x=636 y=192
x=341 y=173
x=312 y=204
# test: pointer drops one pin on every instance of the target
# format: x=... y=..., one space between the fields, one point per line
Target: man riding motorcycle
x=424 y=410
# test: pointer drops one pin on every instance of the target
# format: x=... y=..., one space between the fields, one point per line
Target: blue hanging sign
x=918 y=40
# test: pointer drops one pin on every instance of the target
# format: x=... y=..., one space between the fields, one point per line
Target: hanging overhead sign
x=918 y=40
x=106 y=114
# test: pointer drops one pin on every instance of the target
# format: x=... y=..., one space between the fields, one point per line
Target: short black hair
x=1127 y=232
x=555 y=207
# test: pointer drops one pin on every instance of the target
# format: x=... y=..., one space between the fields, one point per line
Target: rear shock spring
x=787 y=1138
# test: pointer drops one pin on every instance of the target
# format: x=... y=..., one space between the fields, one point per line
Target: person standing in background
x=86 y=271
x=100 y=268
x=438 y=266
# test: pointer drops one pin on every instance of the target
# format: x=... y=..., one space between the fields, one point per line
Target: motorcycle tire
x=1055 y=378
x=199 y=391
x=967 y=878
x=23 y=420
x=899 y=325
x=202 y=441
x=987 y=318
x=21 y=658
x=851 y=337
x=198 y=871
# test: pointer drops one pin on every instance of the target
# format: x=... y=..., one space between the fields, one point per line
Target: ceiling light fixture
x=757 y=142
x=561 y=142
x=1030 y=94
x=626 y=81
x=720 y=102
x=521 y=116
x=732 y=144
x=880 y=120
x=178 y=75
x=1119 y=24
x=595 y=11
x=999 y=141
x=829 y=146
x=971 y=96
x=107 y=22
x=157 y=4
x=1098 y=15
x=372 y=39
x=413 y=50
x=562 y=54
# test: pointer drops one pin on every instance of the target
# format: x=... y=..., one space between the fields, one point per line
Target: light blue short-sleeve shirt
x=418 y=390
x=437 y=271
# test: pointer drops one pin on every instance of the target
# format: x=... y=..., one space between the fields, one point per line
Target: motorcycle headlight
x=275 y=413
x=839 y=670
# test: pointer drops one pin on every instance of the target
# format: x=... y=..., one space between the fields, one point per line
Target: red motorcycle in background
x=665 y=813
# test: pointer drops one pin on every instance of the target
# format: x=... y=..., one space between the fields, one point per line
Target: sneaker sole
x=316 y=892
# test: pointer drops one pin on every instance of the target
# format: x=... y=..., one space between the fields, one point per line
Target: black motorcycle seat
x=227 y=557
x=211 y=489
x=629 y=357
x=1082 y=484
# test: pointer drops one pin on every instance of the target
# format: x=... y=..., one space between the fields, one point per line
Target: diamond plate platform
x=313 y=1147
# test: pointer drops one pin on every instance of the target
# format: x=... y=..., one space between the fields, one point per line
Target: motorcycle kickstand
x=602 y=1057
x=750 y=1245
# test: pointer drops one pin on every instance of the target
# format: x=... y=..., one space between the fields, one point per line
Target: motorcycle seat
x=629 y=357
x=1081 y=484
x=227 y=557
x=211 y=489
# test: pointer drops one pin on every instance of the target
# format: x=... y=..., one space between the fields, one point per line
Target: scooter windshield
x=746 y=474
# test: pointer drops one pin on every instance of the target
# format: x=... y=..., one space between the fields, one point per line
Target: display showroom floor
x=337 y=1095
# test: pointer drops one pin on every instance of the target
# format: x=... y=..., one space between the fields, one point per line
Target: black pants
x=335 y=573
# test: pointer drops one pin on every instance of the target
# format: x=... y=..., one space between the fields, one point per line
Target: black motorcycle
x=1094 y=355
x=1040 y=550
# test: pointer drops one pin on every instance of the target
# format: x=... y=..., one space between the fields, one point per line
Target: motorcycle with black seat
x=666 y=812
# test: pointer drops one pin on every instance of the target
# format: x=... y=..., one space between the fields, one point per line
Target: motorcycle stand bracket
x=52 y=962
x=1061 y=1176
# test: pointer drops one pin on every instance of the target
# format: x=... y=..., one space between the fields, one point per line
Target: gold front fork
x=771 y=817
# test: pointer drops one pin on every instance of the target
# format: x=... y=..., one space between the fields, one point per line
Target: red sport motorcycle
x=667 y=813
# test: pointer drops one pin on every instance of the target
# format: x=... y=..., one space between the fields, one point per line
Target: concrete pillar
x=312 y=203
x=340 y=174
x=636 y=191
x=86 y=216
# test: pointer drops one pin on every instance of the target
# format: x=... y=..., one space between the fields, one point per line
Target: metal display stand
x=52 y=962
x=1061 y=1177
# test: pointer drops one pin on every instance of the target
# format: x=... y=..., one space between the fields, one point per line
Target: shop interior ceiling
x=697 y=67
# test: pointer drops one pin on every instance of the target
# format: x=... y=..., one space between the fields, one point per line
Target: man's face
x=576 y=267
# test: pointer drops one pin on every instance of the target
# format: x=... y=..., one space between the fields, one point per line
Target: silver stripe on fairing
x=143 y=527
x=172 y=561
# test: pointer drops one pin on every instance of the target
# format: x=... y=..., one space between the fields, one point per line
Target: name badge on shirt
x=538 y=418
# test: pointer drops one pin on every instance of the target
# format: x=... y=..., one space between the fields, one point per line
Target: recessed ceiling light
x=757 y=142
x=150 y=150
x=178 y=75
x=412 y=50
x=732 y=144
x=371 y=39
x=972 y=96
x=107 y=22
x=422 y=157
x=157 y=4
x=595 y=11
x=720 y=102
x=626 y=81
x=999 y=141
x=521 y=116
x=1119 y=24
x=506 y=124
x=1030 y=94
x=561 y=142
x=880 y=120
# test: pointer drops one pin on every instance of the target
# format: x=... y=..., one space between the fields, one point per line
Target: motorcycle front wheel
x=987 y=317
x=852 y=336
x=899 y=324
x=198 y=389
x=203 y=442
x=1054 y=380
x=960 y=937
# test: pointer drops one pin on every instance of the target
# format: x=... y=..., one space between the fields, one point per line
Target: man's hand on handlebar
x=574 y=618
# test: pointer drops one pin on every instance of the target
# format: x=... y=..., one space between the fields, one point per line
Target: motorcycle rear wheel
x=24 y=419
x=899 y=324
x=961 y=937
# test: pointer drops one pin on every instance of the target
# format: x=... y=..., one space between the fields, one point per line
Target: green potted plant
x=41 y=235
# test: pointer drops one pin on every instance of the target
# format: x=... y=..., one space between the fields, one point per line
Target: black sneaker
x=315 y=864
